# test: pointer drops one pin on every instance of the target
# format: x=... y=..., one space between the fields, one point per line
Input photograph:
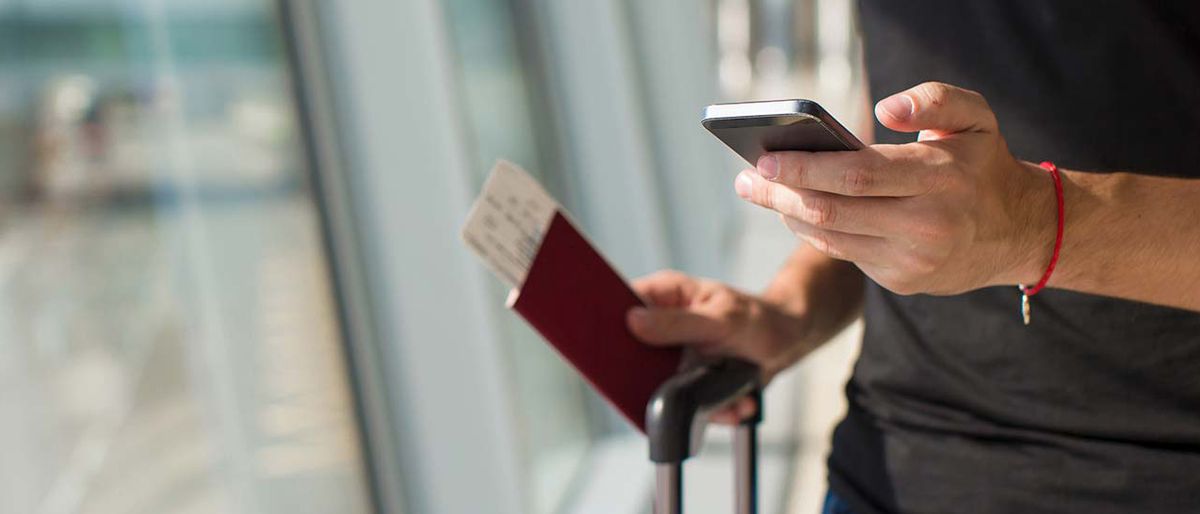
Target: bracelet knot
x=1026 y=291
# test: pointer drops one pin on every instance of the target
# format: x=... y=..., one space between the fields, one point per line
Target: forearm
x=1131 y=236
x=822 y=293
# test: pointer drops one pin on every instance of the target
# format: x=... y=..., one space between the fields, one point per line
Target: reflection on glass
x=168 y=341
x=503 y=121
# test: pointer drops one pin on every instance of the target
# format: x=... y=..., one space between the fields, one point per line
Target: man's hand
x=716 y=320
x=951 y=212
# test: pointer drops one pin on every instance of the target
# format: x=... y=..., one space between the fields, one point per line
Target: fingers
x=863 y=250
x=882 y=170
x=735 y=412
x=667 y=288
x=854 y=215
x=668 y=323
x=936 y=107
x=675 y=326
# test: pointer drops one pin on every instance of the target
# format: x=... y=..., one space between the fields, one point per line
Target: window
x=168 y=335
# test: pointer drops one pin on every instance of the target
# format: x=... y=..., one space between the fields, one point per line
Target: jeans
x=835 y=505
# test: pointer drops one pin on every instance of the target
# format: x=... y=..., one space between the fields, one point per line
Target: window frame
x=317 y=121
x=436 y=400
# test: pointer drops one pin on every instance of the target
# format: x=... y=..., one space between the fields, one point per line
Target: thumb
x=937 y=110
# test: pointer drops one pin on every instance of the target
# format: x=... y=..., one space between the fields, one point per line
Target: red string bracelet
x=1026 y=292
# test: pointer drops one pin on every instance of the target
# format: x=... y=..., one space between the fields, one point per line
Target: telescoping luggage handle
x=675 y=421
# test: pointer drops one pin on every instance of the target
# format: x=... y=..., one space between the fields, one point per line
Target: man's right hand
x=716 y=320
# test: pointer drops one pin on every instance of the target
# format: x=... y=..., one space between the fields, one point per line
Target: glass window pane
x=504 y=119
x=168 y=339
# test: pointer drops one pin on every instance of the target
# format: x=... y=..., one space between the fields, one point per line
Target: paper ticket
x=508 y=221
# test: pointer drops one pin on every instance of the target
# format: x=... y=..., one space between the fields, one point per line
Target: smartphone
x=754 y=128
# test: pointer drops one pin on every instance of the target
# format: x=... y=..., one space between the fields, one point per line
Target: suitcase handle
x=677 y=415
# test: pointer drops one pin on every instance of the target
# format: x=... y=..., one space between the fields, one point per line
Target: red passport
x=578 y=303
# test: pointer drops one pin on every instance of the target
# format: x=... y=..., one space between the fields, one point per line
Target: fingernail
x=899 y=107
x=743 y=184
x=768 y=166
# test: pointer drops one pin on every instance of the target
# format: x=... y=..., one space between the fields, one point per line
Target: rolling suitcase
x=675 y=420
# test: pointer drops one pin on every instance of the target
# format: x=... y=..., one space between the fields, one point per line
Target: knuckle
x=819 y=211
x=976 y=97
x=921 y=224
x=783 y=200
x=793 y=171
x=928 y=153
x=737 y=303
x=730 y=316
x=779 y=199
x=857 y=181
x=922 y=266
x=665 y=275
x=936 y=93
x=931 y=231
x=722 y=299
x=936 y=167
x=987 y=115
x=901 y=282
x=973 y=96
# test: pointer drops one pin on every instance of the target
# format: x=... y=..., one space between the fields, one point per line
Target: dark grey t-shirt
x=955 y=405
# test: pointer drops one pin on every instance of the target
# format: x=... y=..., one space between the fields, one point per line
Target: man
x=955 y=404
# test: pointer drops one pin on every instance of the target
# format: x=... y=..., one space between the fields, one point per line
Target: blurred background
x=230 y=273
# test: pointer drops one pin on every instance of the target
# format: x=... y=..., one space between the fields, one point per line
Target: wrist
x=812 y=299
x=1035 y=226
x=810 y=277
x=786 y=295
x=788 y=336
x=786 y=317
x=785 y=307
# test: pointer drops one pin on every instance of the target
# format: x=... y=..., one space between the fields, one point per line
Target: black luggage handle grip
x=678 y=412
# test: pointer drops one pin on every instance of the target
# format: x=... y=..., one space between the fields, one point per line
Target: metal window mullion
x=341 y=239
x=408 y=186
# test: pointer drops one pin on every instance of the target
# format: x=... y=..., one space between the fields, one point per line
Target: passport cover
x=578 y=303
